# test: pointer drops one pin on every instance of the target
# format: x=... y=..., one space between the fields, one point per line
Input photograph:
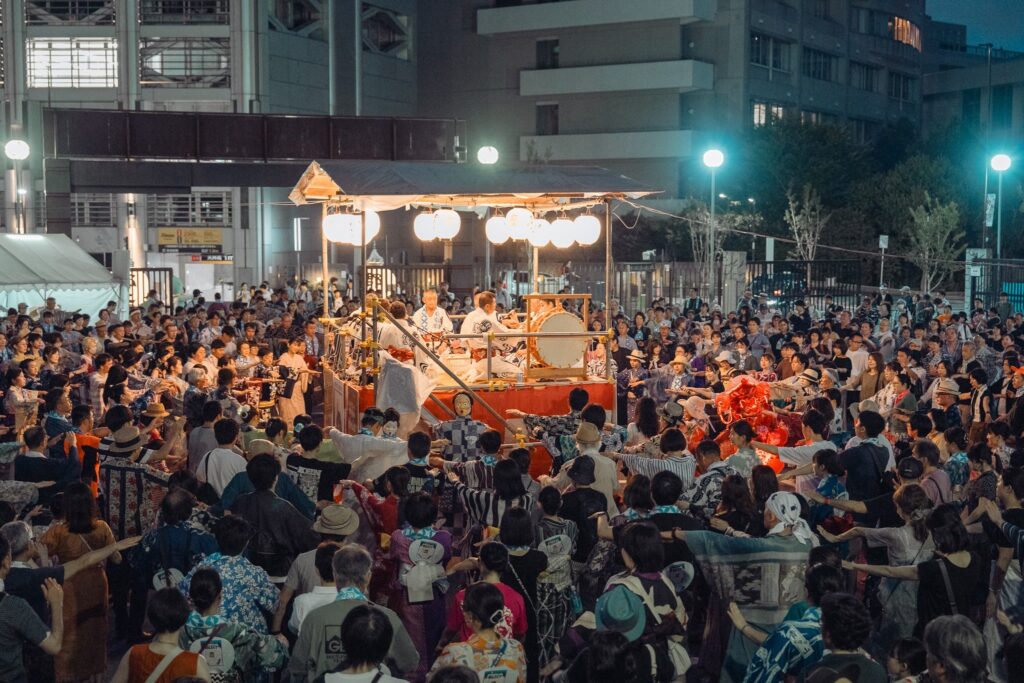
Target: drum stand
x=535 y=368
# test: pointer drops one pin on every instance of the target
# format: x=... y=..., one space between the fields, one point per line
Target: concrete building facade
x=326 y=57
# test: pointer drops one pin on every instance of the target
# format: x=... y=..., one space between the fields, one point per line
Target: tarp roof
x=384 y=185
x=50 y=262
x=34 y=267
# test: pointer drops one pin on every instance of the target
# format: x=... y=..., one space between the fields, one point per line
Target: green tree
x=936 y=240
x=787 y=155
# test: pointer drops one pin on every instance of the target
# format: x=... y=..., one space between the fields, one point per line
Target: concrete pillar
x=130 y=233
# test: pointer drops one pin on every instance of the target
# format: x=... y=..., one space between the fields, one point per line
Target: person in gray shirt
x=319 y=650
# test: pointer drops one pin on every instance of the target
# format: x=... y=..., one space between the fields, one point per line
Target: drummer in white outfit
x=483 y=320
x=430 y=318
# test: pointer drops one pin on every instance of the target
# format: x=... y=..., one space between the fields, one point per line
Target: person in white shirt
x=320 y=595
x=801 y=457
x=369 y=454
x=857 y=354
x=397 y=335
x=431 y=319
x=482 y=320
x=218 y=467
x=606 y=479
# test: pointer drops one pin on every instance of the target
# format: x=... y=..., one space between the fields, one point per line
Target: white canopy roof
x=34 y=267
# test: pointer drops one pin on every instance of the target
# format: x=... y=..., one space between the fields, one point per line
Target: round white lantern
x=588 y=229
x=423 y=227
x=519 y=222
x=356 y=227
x=496 y=230
x=563 y=233
x=540 y=233
x=335 y=228
x=446 y=223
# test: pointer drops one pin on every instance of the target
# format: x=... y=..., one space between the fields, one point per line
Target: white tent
x=34 y=267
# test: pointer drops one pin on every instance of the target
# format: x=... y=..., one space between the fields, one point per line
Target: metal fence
x=143 y=280
x=987 y=278
x=409 y=279
x=811 y=281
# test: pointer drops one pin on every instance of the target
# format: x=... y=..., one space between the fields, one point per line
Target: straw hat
x=637 y=355
x=154 y=410
x=336 y=520
x=725 y=357
x=811 y=375
x=126 y=441
x=588 y=433
x=948 y=386
x=695 y=406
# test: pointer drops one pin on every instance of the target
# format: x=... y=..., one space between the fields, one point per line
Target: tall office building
x=337 y=57
x=643 y=86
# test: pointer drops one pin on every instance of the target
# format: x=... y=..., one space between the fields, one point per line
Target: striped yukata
x=684 y=467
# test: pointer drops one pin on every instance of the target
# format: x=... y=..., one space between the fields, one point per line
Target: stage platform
x=539 y=398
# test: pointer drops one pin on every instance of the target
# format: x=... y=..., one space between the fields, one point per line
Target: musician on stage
x=396 y=337
x=430 y=318
x=483 y=320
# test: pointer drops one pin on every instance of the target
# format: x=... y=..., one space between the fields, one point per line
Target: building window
x=770 y=53
x=1002 y=106
x=547 y=53
x=188 y=210
x=819 y=9
x=92 y=210
x=296 y=16
x=886 y=25
x=105 y=258
x=818 y=118
x=767 y=112
x=185 y=11
x=864 y=76
x=72 y=62
x=69 y=12
x=820 y=65
x=864 y=131
x=185 y=62
x=386 y=33
x=547 y=119
x=902 y=87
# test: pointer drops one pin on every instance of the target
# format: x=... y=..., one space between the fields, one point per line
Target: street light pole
x=711 y=245
x=1000 y=163
x=713 y=159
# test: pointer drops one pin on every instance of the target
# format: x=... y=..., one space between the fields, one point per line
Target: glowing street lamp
x=487 y=155
x=713 y=159
x=1000 y=163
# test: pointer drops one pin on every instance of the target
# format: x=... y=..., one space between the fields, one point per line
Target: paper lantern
x=540 y=233
x=446 y=223
x=336 y=228
x=372 y=228
x=588 y=229
x=496 y=230
x=423 y=227
x=519 y=222
x=563 y=233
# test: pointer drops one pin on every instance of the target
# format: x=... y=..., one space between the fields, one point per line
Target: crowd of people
x=172 y=510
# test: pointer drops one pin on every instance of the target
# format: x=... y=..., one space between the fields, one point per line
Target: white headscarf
x=786 y=508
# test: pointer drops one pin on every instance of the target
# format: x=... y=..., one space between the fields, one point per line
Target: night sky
x=1000 y=22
